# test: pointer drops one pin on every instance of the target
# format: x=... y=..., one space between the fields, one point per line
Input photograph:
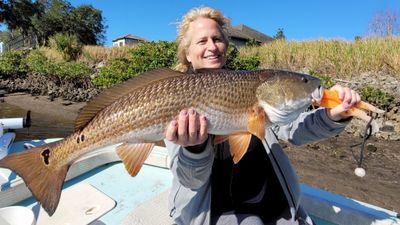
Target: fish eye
x=304 y=79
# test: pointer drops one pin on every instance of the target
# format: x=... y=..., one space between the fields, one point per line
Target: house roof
x=130 y=36
x=244 y=32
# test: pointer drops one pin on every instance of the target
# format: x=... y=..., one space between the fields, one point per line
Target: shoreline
x=59 y=108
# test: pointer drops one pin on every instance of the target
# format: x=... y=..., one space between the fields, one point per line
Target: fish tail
x=36 y=168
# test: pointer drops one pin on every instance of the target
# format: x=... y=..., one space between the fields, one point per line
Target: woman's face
x=207 y=47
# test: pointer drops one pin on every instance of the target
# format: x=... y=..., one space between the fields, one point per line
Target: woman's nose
x=211 y=45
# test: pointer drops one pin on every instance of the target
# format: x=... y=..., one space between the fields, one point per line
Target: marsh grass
x=95 y=54
x=336 y=58
x=52 y=54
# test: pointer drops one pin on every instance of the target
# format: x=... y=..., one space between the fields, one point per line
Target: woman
x=262 y=188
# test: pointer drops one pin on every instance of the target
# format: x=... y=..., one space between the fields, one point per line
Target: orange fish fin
x=357 y=113
x=218 y=139
x=330 y=99
x=256 y=122
x=369 y=107
x=238 y=144
x=110 y=95
x=134 y=155
x=40 y=173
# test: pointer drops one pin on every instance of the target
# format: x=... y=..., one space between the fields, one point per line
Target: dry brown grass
x=52 y=54
x=336 y=58
x=95 y=54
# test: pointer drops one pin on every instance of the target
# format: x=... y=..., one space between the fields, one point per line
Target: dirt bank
x=41 y=104
x=328 y=164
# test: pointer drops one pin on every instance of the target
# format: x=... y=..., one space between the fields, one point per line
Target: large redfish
x=137 y=112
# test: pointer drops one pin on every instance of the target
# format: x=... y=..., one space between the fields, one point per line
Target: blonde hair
x=182 y=39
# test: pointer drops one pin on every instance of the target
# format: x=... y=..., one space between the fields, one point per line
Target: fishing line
x=366 y=136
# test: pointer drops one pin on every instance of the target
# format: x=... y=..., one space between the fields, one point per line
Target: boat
x=98 y=191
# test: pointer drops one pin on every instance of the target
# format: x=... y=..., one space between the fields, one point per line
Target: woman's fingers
x=170 y=133
x=203 y=134
x=349 y=98
x=193 y=127
x=189 y=129
x=183 y=127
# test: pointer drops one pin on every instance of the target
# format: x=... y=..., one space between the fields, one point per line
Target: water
x=42 y=126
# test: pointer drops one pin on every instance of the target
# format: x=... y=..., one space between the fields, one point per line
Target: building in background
x=127 y=40
x=239 y=35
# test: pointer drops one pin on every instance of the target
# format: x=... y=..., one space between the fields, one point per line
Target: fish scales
x=223 y=98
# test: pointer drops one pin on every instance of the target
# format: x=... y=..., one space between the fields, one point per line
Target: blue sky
x=300 y=20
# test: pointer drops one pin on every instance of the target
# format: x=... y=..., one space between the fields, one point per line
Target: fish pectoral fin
x=238 y=145
x=134 y=155
x=256 y=122
x=357 y=113
x=369 y=107
x=41 y=174
x=218 y=139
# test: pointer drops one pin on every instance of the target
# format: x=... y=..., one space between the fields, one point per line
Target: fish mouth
x=317 y=94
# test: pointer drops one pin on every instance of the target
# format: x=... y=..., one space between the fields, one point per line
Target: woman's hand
x=190 y=129
x=349 y=98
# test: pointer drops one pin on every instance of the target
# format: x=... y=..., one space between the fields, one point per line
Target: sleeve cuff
x=199 y=155
x=334 y=124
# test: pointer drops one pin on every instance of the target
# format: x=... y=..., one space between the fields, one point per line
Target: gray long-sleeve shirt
x=190 y=196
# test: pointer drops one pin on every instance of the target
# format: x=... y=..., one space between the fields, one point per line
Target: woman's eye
x=217 y=39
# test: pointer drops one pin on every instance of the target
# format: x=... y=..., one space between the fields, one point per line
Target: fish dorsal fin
x=238 y=145
x=209 y=70
x=110 y=95
x=134 y=155
x=268 y=73
x=256 y=121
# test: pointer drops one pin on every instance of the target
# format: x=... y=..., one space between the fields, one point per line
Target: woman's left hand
x=349 y=98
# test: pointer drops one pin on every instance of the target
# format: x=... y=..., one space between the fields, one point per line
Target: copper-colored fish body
x=137 y=112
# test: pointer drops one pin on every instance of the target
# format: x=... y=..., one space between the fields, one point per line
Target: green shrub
x=152 y=55
x=252 y=43
x=11 y=63
x=376 y=97
x=251 y=62
x=72 y=69
x=114 y=72
x=327 y=81
x=143 y=57
x=68 y=45
x=231 y=54
x=235 y=61
x=38 y=63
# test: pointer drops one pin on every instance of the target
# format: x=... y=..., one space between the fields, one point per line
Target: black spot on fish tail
x=78 y=140
x=46 y=156
x=82 y=137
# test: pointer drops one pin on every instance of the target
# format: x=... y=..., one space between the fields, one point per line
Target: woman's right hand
x=190 y=129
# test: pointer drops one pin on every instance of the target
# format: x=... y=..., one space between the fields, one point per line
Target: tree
x=17 y=14
x=279 y=34
x=42 y=19
x=55 y=19
x=384 y=23
x=87 y=25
